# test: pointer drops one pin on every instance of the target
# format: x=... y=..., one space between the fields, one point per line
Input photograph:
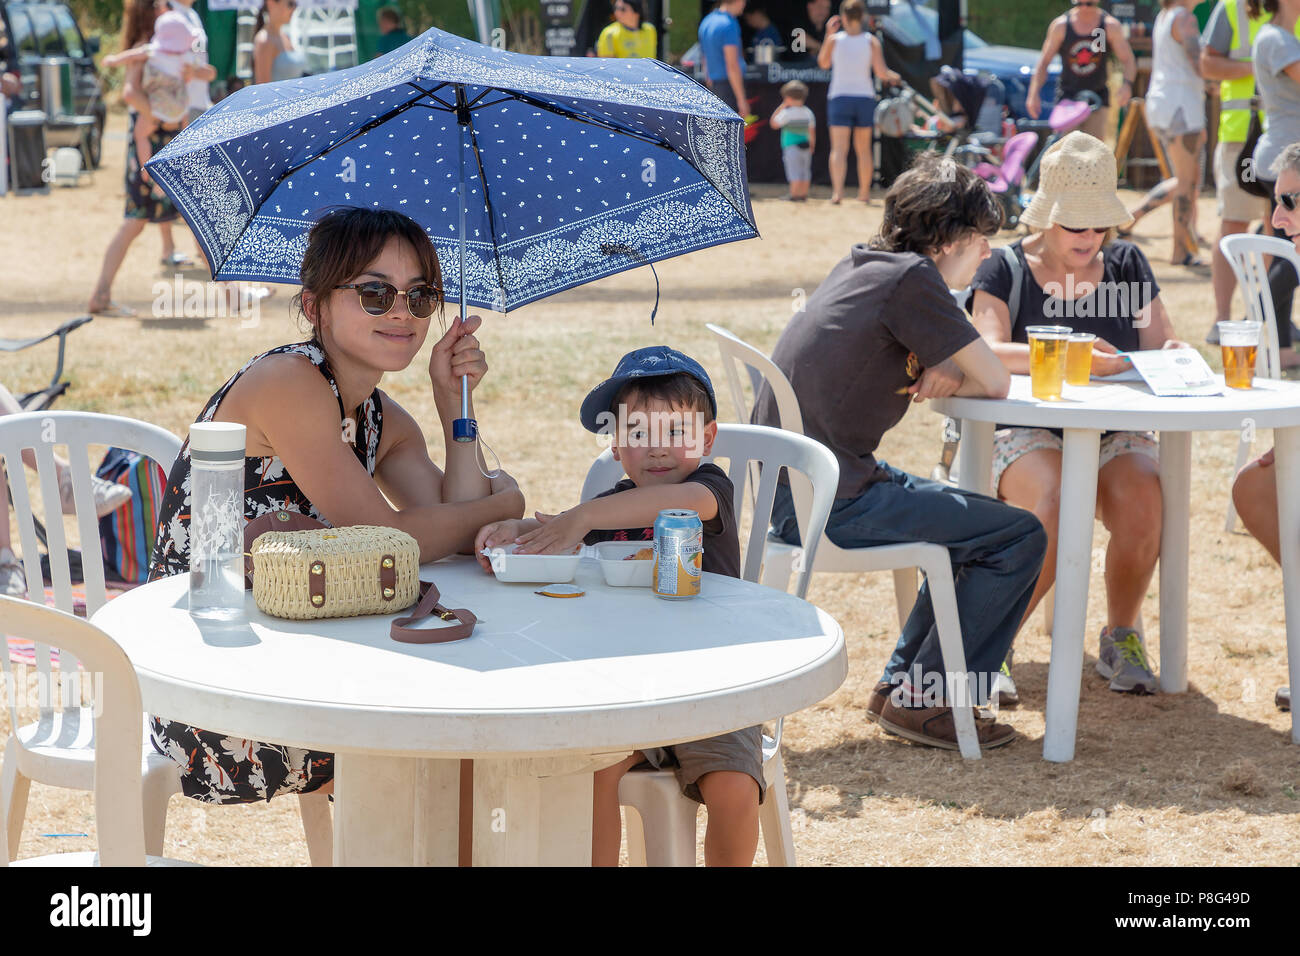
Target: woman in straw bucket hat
x=1072 y=271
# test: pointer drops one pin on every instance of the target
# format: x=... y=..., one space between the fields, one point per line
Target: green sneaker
x=1123 y=659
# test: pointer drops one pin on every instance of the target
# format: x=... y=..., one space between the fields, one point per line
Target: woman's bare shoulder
x=274 y=381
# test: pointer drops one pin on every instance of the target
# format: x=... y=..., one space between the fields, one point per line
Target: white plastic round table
x=544 y=693
x=1084 y=413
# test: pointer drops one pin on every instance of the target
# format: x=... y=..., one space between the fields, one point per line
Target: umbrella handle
x=464 y=428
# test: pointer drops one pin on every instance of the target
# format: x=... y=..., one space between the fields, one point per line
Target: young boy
x=798 y=128
x=660 y=408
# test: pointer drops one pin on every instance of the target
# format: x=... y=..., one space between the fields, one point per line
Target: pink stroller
x=1006 y=180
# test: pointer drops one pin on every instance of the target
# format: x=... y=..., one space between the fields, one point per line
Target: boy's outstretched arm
x=635 y=508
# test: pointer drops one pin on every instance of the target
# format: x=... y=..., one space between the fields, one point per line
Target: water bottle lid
x=217 y=441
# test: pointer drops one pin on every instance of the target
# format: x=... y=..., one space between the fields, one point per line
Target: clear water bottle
x=217 y=520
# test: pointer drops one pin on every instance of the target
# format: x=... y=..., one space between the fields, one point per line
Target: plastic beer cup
x=1240 y=343
x=1047 y=350
x=1078 y=358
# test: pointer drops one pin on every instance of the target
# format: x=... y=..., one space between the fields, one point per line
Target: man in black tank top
x=1084 y=36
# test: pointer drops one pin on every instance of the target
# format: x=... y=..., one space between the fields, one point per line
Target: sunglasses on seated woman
x=1288 y=200
x=1099 y=231
x=378 y=297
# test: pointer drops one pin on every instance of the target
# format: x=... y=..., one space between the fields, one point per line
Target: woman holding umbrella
x=370 y=283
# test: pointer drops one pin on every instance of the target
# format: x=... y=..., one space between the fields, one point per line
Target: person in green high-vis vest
x=1225 y=56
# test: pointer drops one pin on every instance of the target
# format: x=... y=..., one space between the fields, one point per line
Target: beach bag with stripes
x=127 y=535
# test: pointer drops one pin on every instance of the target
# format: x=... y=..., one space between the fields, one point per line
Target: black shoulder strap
x=1017 y=281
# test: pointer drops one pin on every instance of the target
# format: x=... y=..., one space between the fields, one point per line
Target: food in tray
x=644 y=554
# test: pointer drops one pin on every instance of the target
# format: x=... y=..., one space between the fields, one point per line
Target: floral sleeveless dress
x=216 y=768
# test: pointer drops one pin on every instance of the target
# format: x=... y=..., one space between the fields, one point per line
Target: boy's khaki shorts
x=740 y=750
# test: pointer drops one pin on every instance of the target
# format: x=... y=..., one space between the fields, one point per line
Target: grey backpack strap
x=1017 y=279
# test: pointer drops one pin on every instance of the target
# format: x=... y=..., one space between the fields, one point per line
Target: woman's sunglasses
x=1101 y=232
x=378 y=298
x=1288 y=200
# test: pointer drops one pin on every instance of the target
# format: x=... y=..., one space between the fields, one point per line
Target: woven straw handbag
x=308 y=571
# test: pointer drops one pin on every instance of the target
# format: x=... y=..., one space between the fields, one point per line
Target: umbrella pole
x=463 y=429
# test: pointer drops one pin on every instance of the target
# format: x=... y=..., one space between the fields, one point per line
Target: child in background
x=169 y=58
x=798 y=128
x=660 y=407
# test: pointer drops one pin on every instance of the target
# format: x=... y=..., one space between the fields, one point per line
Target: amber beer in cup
x=1078 y=358
x=1240 y=343
x=1048 y=345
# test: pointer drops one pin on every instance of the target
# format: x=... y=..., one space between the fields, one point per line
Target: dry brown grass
x=1203 y=777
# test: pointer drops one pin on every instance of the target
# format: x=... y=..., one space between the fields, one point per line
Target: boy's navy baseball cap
x=643 y=363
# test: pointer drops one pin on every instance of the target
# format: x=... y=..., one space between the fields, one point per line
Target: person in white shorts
x=1175 y=105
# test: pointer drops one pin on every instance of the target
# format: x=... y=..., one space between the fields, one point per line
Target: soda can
x=679 y=555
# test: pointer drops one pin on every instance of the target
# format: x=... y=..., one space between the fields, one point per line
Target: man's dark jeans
x=996 y=550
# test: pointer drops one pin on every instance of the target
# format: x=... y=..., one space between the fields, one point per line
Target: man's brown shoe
x=933 y=726
x=876 y=702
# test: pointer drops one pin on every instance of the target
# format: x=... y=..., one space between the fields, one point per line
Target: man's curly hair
x=934 y=203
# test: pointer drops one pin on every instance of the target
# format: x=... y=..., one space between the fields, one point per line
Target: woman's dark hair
x=137 y=23
x=1253 y=8
x=853 y=10
x=261 y=19
x=637 y=8
x=935 y=203
x=344 y=243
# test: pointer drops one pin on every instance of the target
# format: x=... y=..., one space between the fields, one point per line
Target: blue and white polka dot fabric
x=576 y=168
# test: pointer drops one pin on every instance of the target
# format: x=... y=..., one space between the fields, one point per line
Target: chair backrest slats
x=1246 y=255
x=119 y=800
x=41 y=432
x=738 y=354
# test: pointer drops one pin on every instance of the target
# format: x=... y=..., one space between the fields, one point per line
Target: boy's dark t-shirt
x=721 y=541
x=865 y=334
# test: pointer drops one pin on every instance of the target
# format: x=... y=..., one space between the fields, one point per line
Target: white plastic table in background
x=544 y=693
x=1084 y=413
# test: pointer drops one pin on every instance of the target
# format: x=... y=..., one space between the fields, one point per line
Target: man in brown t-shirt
x=881 y=332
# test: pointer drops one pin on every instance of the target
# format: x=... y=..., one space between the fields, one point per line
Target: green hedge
x=1023 y=23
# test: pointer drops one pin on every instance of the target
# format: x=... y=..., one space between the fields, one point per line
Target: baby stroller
x=1021 y=154
x=906 y=114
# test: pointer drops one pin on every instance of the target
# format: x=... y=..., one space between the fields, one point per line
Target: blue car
x=1013 y=66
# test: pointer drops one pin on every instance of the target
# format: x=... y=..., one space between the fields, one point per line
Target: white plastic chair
x=58 y=749
x=1246 y=254
x=901 y=559
x=119 y=830
x=661 y=831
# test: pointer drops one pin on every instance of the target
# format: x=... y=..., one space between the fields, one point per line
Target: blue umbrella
x=530 y=174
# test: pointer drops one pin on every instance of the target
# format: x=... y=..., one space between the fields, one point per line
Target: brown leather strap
x=429 y=607
x=272 y=521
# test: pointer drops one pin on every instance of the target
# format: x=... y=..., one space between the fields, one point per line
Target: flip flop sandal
x=178 y=259
x=115 y=311
x=1194 y=262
